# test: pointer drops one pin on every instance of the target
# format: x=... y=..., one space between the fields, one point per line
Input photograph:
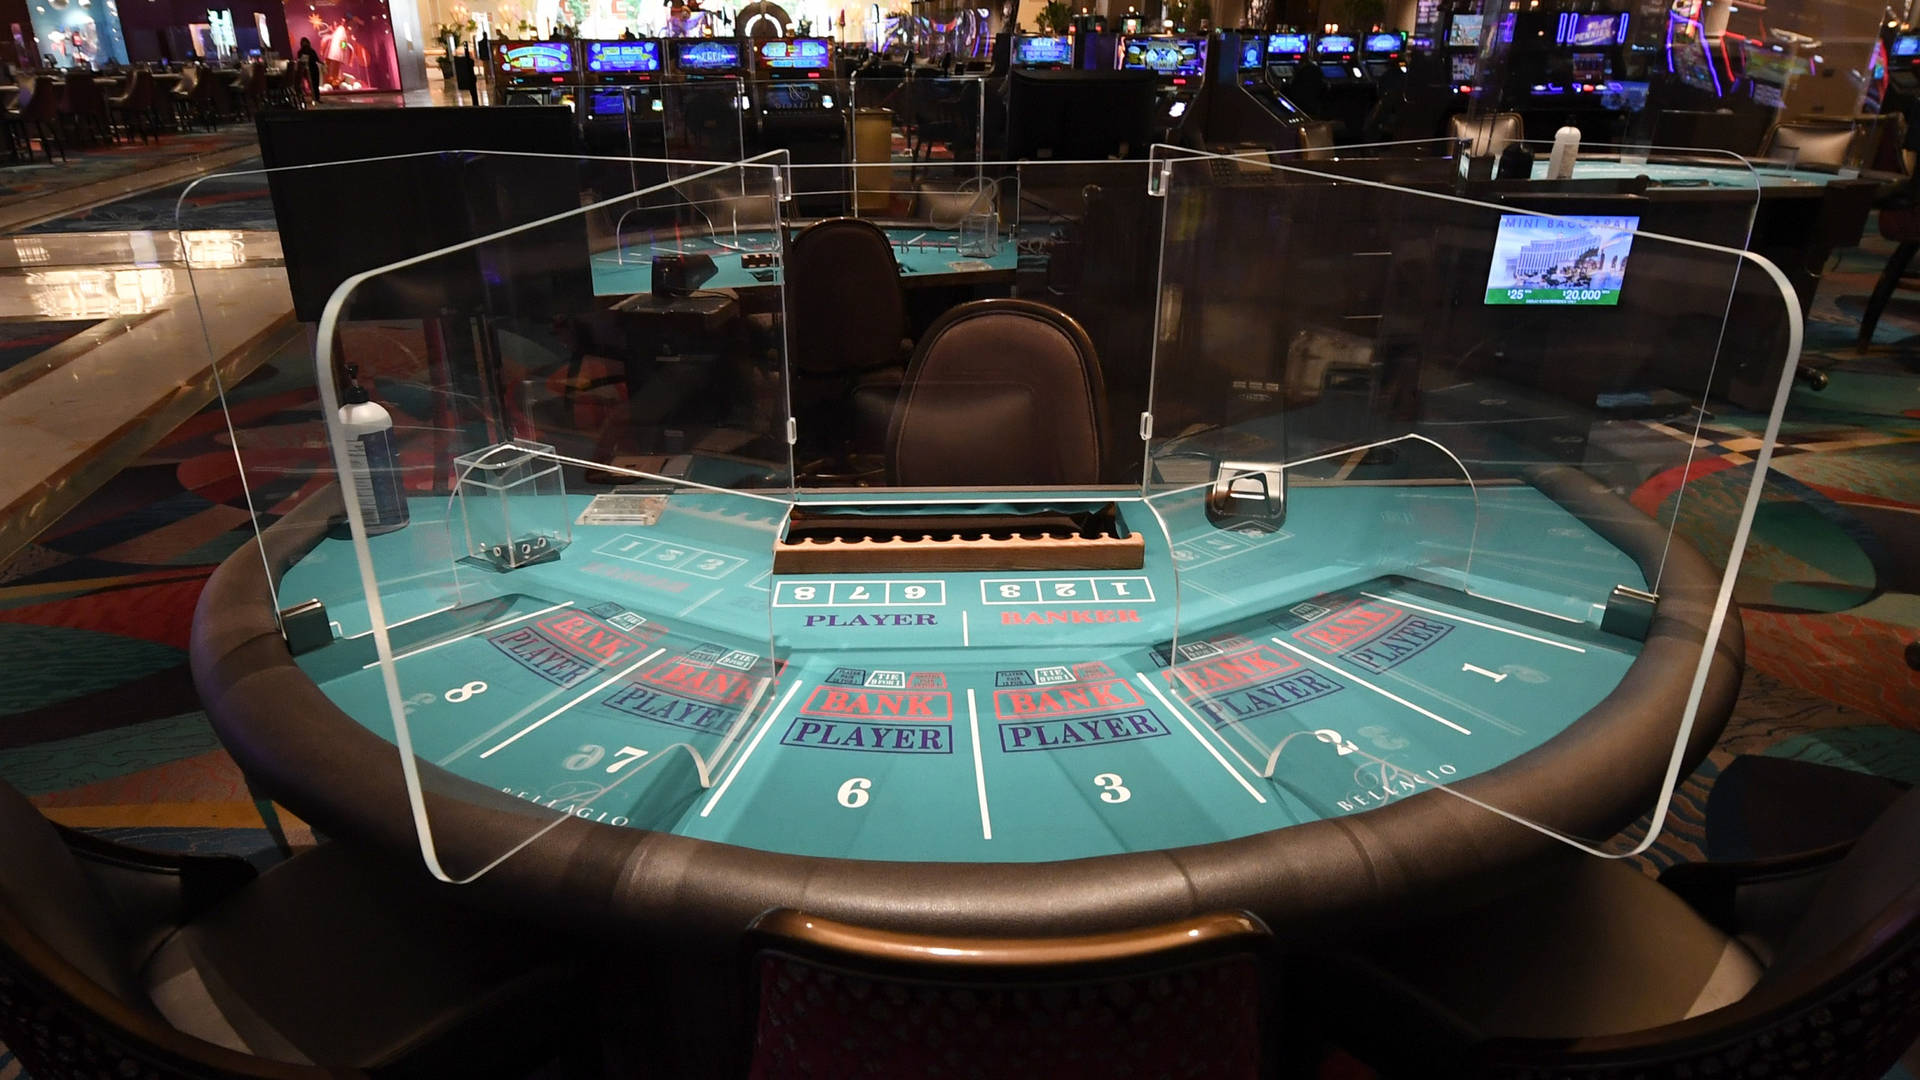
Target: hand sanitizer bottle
x=374 y=462
x=1566 y=149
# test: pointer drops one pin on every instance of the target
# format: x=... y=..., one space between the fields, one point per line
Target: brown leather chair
x=1818 y=143
x=38 y=116
x=85 y=107
x=136 y=108
x=846 y=334
x=1316 y=141
x=1000 y=393
x=1191 y=998
x=1602 y=972
x=1489 y=136
x=335 y=963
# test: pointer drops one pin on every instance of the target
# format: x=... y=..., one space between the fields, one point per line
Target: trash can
x=873 y=155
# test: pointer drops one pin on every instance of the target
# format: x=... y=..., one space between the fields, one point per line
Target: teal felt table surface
x=1381 y=641
x=925 y=255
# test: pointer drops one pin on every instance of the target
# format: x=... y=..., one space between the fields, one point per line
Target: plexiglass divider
x=1432 y=412
x=1362 y=521
x=548 y=488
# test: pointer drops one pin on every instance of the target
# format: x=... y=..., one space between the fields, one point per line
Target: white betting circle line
x=966 y=637
x=765 y=726
x=471 y=633
x=602 y=685
x=1388 y=694
x=1178 y=702
x=1204 y=744
x=979 y=770
x=403 y=622
x=1473 y=622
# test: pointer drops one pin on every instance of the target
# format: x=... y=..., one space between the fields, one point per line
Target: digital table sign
x=1575 y=260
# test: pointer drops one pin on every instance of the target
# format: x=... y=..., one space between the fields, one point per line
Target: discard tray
x=834 y=540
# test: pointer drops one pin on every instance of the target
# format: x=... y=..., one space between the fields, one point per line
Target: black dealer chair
x=1603 y=972
x=846 y=334
x=1192 y=998
x=1000 y=393
x=126 y=963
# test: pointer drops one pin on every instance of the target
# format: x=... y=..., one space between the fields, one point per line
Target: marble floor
x=172 y=314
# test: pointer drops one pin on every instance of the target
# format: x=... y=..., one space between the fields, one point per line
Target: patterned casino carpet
x=227 y=204
x=99 y=724
x=94 y=164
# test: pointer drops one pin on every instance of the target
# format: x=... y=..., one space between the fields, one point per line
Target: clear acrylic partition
x=1407 y=445
x=702 y=121
x=562 y=540
x=929 y=118
x=119 y=299
x=1079 y=236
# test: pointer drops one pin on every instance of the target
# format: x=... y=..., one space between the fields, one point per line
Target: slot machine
x=1257 y=77
x=1463 y=27
x=535 y=72
x=1903 y=71
x=1286 y=51
x=618 y=77
x=1383 y=51
x=800 y=107
x=1349 y=94
x=1178 y=64
x=706 y=59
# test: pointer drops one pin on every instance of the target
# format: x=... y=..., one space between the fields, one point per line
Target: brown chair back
x=1000 y=393
x=1191 y=998
x=845 y=308
x=1488 y=136
x=1813 y=142
x=44 y=105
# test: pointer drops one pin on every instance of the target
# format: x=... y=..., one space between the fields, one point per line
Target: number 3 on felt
x=1111 y=789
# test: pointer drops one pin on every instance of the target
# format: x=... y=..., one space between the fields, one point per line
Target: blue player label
x=1373 y=634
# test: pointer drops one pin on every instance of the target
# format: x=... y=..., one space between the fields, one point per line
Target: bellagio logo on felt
x=1389 y=782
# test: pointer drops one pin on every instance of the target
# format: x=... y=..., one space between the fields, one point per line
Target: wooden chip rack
x=832 y=541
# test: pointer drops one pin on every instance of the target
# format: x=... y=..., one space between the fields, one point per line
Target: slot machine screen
x=635 y=57
x=706 y=55
x=797 y=54
x=1164 y=56
x=794 y=97
x=1464 y=67
x=1768 y=95
x=1589 y=67
x=1250 y=55
x=1041 y=50
x=607 y=103
x=1287 y=45
x=538 y=58
x=1333 y=45
x=1586 y=31
x=1574 y=260
x=1464 y=31
x=1906 y=46
x=1383 y=43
